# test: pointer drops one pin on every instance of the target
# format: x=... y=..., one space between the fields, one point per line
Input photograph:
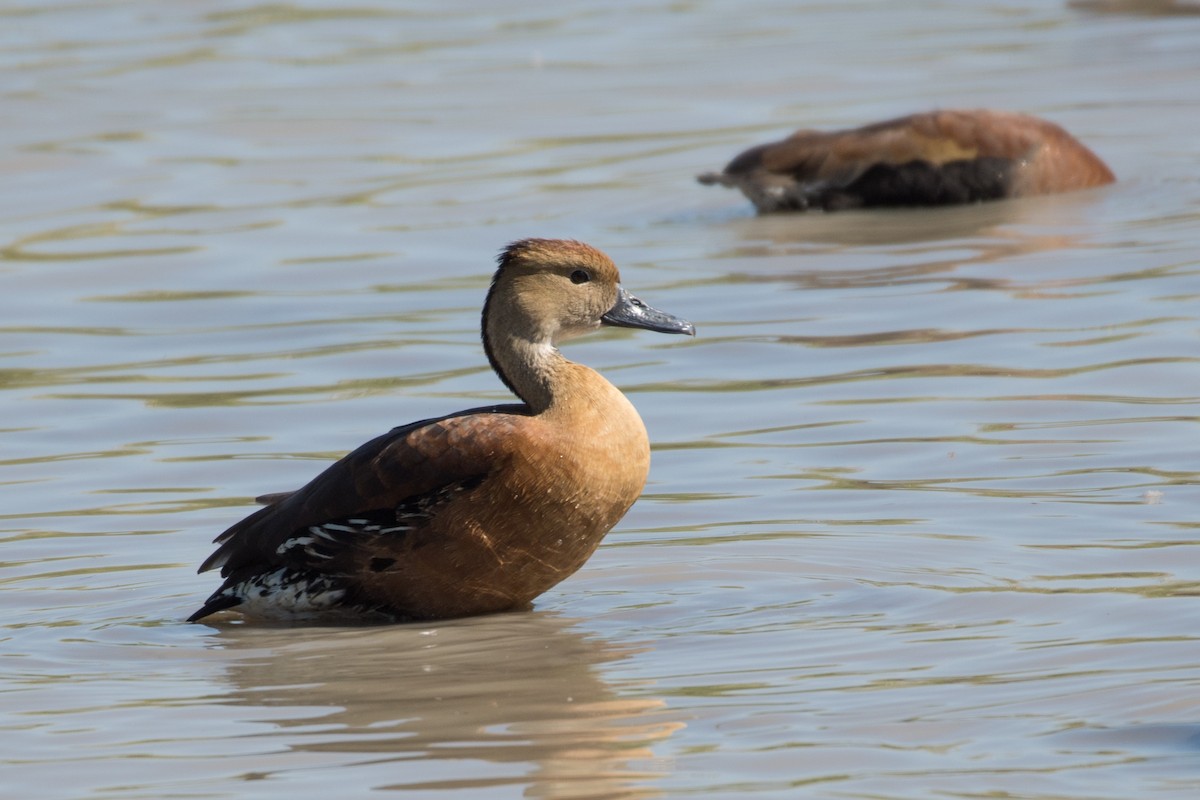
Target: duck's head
x=550 y=290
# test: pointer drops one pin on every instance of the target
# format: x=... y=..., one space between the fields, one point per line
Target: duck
x=935 y=158
x=478 y=511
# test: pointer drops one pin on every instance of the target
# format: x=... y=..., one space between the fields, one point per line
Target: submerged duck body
x=931 y=159
x=478 y=511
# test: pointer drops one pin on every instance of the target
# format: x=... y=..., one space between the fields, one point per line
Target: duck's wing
x=370 y=491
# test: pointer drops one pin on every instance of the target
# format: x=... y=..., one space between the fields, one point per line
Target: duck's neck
x=534 y=370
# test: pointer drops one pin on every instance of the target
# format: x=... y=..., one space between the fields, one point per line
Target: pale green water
x=923 y=512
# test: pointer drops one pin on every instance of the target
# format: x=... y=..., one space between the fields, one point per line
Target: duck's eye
x=580 y=276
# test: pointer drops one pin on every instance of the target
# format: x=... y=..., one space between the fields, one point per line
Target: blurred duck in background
x=932 y=159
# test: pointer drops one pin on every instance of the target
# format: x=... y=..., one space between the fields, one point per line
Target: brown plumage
x=478 y=511
x=936 y=158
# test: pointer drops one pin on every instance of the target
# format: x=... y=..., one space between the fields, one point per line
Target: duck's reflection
x=1147 y=8
x=887 y=226
x=499 y=700
x=921 y=245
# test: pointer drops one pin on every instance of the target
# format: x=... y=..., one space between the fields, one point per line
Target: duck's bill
x=629 y=312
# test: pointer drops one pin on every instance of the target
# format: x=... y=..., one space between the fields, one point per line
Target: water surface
x=921 y=520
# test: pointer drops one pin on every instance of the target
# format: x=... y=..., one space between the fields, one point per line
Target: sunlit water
x=922 y=519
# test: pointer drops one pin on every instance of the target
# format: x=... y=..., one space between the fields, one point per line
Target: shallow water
x=921 y=520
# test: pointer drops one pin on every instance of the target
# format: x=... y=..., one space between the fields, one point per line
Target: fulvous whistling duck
x=477 y=511
x=932 y=159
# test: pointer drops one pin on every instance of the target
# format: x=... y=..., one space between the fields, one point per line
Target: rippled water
x=922 y=516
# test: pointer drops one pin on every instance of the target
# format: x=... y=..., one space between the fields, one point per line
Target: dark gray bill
x=629 y=312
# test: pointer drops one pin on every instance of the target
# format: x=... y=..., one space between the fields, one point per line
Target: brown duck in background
x=478 y=511
x=932 y=159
